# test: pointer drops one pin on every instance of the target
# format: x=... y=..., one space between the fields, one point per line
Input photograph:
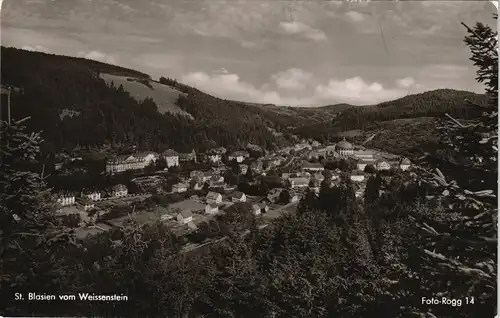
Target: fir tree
x=457 y=254
x=31 y=240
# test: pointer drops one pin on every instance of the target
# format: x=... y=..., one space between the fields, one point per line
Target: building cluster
x=304 y=161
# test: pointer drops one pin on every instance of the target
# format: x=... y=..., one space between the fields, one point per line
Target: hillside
x=78 y=102
x=164 y=96
x=74 y=106
x=429 y=104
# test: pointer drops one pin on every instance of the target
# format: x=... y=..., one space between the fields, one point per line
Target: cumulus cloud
x=293 y=78
x=98 y=56
x=358 y=91
x=37 y=48
x=302 y=29
x=355 y=16
x=353 y=90
x=406 y=82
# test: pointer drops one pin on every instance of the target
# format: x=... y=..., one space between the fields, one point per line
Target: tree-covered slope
x=434 y=103
x=73 y=106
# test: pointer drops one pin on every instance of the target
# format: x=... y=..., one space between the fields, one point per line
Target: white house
x=179 y=187
x=238 y=196
x=214 y=157
x=256 y=209
x=211 y=209
x=66 y=199
x=239 y=156
x=171 y=157
x=94 y=195
x=119 y=190
x=363 y=154
x=383 y=165
x=198 y=186
x=263 y=207
x=184 y=217
x=357 y=176
x=216 y=180
x=404 y=164
x=214 y=197
x=313 y=167
x=135 y=161
x=299 y=182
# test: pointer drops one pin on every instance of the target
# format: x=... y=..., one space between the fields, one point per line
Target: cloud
x=230 y=86
x=356 y=90
x=303 y=29
x=36 y=48
x=406 y=82
x=355 y=16
x=353 y=90
x=292 y=78
x=98 y=56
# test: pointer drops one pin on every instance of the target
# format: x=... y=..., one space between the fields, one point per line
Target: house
x=211 y=209
x=357 y=176
x=274 y=194
x=383 y=165
x=256 y=209
x=185 y=216
x=119 y=190
x=361 y=164
x=198 y=186
x=319 y=177
x=87 y=203
x=92 y=195
x=214 y=197
x=238 y=196
x=186 y=157
x=136 y=161
x=363 y=154
x=264 y=208
x=191 y=226
x=298 y=182
x=216 y=180
x=195 y=198
x=243 y=168
x=179 y=187
x=207 y=175
x=171 y=157
x=239 y=156
x=404 y=164
x=214 y=157
x=66 y=199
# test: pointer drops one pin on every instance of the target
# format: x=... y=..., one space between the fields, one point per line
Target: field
x=164 y=96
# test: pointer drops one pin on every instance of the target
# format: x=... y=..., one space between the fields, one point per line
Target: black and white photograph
x=248 y=158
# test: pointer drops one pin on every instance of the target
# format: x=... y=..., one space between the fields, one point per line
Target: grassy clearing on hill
x=164 y=96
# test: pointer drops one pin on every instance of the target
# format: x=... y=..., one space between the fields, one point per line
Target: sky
x=295 y=53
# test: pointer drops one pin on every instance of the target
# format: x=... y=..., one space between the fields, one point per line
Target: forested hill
x=434 y=103
x=74 y=106
x=79 y=102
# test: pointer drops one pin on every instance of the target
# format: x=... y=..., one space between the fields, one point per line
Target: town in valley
x=184 y=190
